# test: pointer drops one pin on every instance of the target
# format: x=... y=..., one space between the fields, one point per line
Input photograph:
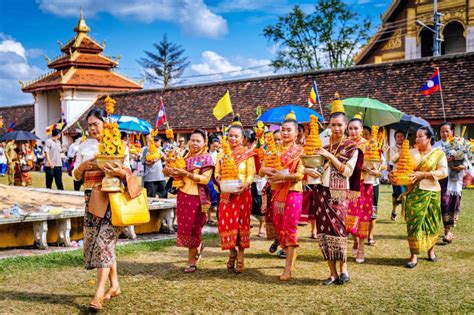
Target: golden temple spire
x=81 y=26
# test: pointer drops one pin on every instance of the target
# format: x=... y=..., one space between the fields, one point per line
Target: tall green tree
x=165 y=65
x=326 y=38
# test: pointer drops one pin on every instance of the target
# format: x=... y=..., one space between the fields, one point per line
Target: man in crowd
x=153 y=177
x=71 y=158
x=53 y=164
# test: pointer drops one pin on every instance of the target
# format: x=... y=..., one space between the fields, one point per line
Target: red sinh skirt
x=234 y=220
x=190 y=220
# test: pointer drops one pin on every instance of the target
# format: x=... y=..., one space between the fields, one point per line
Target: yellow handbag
x=127 y=211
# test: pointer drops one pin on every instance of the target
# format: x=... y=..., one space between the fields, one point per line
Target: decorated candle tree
x=405 y=166
x=228 y=168
x=372 y=152
x=272 y=159
x=110 y=137
x=153 y=154
x=111 y=148
x=259 y=132
x=313 y=141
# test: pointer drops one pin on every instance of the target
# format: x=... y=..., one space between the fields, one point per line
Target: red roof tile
x=23 y=115
x=83 y=60
x=85 y=79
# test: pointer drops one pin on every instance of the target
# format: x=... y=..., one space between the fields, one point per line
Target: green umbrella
x=373 y=111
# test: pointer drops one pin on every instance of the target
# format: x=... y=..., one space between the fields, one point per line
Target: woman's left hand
x=417 y=176
x=323 y=152
x=178 y=172
x=276 y=177
x=373 y=172
x=115 y=170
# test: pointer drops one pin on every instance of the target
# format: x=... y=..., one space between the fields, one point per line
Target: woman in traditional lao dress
x=451 y=187
x=359 y=211
x=100 y=236
x=423 y=198
x=235 y=208
x=340 y=184
x=287 y=197
x=194 y=198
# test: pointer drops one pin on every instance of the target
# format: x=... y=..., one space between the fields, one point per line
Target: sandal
x=360 y=259
x=231 y=261
x=111 y=293
x=281 y=254
x=199 y=253
x=240 y=267
x=371 y=242
x=190 y=269
x=393 y=217
x=96 y=303
x=313 y=236
x=273 y=248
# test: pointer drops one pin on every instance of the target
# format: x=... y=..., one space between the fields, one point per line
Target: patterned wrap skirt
x=359 y=212
x=269 y=227
x=234 y=220
x=100 y=238
x=190 y=220
x=450 y=204
x=286 y=222
x=330 y=224
x=423 y=217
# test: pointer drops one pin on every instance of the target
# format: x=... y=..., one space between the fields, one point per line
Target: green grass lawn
x=39 y=180
x=152 y=280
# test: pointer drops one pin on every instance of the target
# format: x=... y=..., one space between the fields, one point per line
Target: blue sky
x=218 y=36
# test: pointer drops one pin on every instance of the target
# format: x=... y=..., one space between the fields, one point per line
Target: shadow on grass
x=170 y=272
x=45 y=298
x=386 y=261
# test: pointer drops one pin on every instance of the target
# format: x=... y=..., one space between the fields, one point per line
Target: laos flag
x=432 y=85
x=161 y=117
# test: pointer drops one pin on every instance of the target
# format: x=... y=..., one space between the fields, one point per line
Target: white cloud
x=215 y=67
x=14 y=66
x=363 y=1
x=213 y=63
x=193 y=16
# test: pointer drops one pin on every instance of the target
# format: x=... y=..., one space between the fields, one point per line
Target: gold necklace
x=330 y=144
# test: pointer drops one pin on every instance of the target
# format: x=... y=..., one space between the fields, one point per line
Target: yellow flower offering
x=314 y=141
x=153 y=154
x=174 y=160
x=228 y=168
x=111 y=140
x=372 y=152
x=405 y=166
x=109 y=105
x=169 y=134
x=272 y=159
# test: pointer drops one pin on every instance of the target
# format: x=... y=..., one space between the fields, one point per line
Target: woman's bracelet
x=342 y=168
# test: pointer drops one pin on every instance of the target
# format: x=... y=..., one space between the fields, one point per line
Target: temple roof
x=82 y=60
x=81 y=66
x=385 y=30
x=82 y=78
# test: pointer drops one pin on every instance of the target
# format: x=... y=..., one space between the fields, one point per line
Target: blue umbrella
x=18 y=135
x=409 y=124
x=278 y=114
x=133 y=124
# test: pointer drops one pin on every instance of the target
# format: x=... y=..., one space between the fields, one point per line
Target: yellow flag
x=223 y=107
